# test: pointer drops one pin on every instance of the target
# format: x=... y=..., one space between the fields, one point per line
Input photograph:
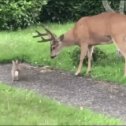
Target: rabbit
x=15 y=71
x=19 y=70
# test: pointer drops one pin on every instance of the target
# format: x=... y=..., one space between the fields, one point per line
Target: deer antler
x=48 y=33
x=41 y=35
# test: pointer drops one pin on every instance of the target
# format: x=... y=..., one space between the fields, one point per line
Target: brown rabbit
x=15 y=71
x=18 y=68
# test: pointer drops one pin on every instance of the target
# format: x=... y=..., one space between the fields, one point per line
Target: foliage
x=70 y=10
x=22 y=13
x=59 y=10
x=19 y=13
x=97 y=55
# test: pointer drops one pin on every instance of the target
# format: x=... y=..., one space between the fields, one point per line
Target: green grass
x=23 y=107
x=21 y=45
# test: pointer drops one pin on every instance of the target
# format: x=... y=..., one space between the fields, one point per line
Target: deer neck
x=67 y=39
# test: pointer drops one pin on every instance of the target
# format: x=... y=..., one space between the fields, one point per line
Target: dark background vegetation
x=16 y=14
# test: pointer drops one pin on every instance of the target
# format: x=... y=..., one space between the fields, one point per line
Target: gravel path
x=102 y=97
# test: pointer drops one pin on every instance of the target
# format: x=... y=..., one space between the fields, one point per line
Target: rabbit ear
x=13 y=62
x=16 y=62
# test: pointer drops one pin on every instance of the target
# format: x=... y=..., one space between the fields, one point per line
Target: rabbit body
x=15 y=71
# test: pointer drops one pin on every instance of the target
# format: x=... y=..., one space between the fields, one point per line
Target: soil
x=103 y=97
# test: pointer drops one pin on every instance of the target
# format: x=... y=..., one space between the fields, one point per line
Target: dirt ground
x=103 y=97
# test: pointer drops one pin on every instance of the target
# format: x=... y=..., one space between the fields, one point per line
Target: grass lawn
x=23 y=107
x=20 y=44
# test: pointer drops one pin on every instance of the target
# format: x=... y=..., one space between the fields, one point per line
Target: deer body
x=94 y=30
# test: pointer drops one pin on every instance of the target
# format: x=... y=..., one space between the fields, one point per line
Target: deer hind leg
x=121 y=43
x=90 y=51
x=84 y=50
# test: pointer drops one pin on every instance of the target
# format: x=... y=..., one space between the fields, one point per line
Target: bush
x=60 y=10
x=22 y=13
x=97 y=56
x=72 y=10
x=19 y=13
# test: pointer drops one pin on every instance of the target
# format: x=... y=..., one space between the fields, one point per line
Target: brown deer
x=88 y=32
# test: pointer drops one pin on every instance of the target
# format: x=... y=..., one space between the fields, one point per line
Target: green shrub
x=60 y=10
x=97 y=56
x=19 y=13
x=22 y=13
x=72 y=10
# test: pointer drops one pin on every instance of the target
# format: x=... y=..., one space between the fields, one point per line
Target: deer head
x=55 y=42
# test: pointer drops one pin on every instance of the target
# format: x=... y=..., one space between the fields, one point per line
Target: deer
x=89 y=31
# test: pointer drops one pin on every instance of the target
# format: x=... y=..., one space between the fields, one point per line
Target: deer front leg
x=90 y=51
x=125 y=68
x=84 y=49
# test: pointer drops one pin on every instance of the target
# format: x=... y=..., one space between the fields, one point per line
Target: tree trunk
x=107 y=6
x=122 y=6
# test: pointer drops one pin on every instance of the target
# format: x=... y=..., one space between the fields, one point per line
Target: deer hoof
x=77 y=74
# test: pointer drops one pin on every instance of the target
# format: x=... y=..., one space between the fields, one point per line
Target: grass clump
x=97 y=56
